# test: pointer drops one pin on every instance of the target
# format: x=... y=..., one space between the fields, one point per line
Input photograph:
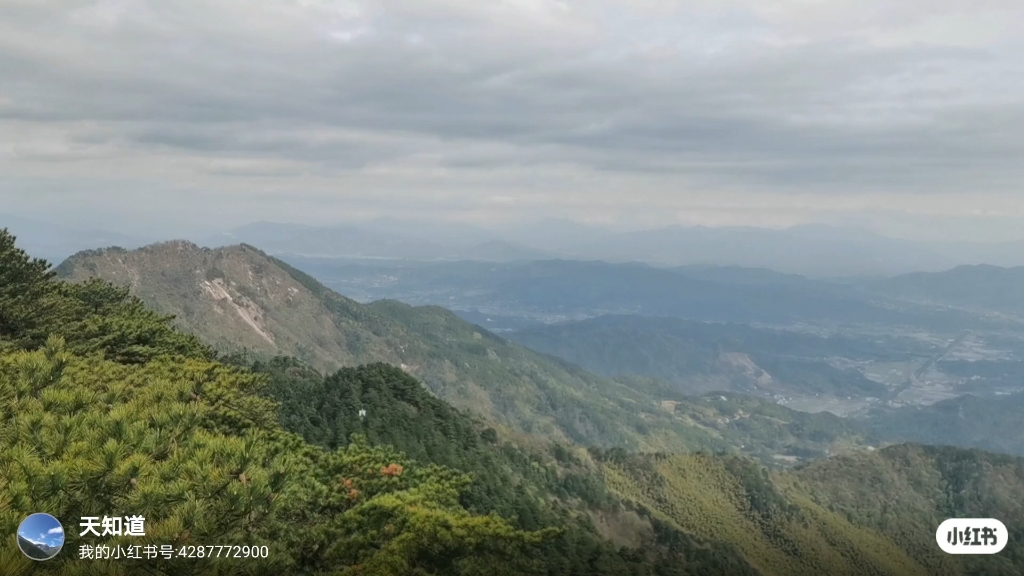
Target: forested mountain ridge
x=139 y=417
x=516 y=388
x=990 y=423
x=886 y=505
x=905 y=491
x=105 y=408
x=240 y=295
x=240 y=298
x=209 y=451
x=635 y=499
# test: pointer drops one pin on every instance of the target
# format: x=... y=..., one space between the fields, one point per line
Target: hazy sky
x=906 y=116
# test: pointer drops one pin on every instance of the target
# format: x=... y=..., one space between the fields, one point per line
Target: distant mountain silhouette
x=976 y=287
x=55 y=242
x=37 y=550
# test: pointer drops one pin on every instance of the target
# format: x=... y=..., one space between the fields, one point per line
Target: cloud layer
x=731 y=111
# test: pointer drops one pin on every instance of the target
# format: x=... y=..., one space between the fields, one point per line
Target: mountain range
x=37 y=550
x=979 y=288
x=699 y=357
x=377 y=240
x=241 y=299
x=552 y=290
x=812 y=249
x=600 y=381
x=255 y=436
x=55 y=242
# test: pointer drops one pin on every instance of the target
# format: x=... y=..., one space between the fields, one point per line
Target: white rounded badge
x=971 y=536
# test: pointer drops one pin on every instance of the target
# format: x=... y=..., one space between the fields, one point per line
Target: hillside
x=35 y=550
x=695 y=358
x=772 y=523
x=778 y=531
x=865 y=513
x=136 y=416
x=980 y=287
x=774 y=434
x=238 y=298
x=990 y=423
x=906 y=491
x=698 y=356
x=213 y=452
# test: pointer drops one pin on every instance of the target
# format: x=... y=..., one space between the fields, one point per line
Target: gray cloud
x=569 y=105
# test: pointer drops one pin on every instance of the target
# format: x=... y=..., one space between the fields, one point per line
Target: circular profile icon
x=40 y=536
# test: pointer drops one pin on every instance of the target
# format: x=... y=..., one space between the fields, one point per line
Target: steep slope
x=774 y=434
x=239 y=297
x=189 y=443
x=906 y=491
x=864 y=513
x=35 y=550
x=746 y=519
x=234 y=298
x=778 y=531
x=533 y=486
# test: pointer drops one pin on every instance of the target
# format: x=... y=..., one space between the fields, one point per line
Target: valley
x=905 y=344
x=622 y=370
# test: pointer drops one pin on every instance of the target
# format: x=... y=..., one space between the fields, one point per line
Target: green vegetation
x=774 y=434
x=107 y=409
x=535 y=485
x=97 y=317
x=196 y=447
x=137 y=419
x=906 y=491
x=810 y=377
x=262 y=306
x=989 y=423
x=238 y=299
x=775 y=527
